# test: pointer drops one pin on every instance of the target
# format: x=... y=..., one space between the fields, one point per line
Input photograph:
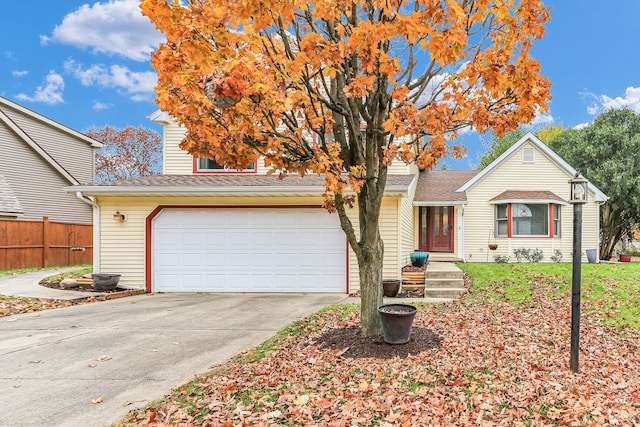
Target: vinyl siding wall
x=178 y=162
x=39 y=188
x=513 y=174
x=407 y=226
x=73 y=154
x=123 y=243
x=390 y=225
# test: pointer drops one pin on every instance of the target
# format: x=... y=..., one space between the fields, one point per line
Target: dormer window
x=203 y=165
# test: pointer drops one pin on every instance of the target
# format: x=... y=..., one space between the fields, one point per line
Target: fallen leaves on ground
x=497 y=364
x=97 y=400
x=16 y=305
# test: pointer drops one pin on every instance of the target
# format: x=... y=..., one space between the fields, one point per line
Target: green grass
x=78 y=272
x=611 y=290
x=33 y=270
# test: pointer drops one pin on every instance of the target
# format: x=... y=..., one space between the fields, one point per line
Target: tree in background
x=127 y=153
x=343 y=89
x=607 y=153
x=500 y=144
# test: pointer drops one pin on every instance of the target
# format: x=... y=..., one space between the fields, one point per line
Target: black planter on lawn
x=397 y=320
x=103 y=282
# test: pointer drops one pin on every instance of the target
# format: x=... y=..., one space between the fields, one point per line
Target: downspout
x=96 y=229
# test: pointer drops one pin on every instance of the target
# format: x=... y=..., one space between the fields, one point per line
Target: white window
x=210 y=165
x=527 y=220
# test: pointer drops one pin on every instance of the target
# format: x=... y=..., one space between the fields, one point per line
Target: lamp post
x=577 y=199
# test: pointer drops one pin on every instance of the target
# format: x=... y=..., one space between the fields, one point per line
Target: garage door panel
x=248 y=250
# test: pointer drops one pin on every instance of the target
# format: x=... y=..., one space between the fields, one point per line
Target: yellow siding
x=123 y=243
x=513 y=174
x=389 y=226
x=177 y=161
x=407 y=226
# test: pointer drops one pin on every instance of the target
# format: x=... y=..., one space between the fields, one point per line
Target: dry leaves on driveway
x=496 y=364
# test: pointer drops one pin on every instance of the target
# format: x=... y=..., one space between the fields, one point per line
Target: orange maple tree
x=343 y=89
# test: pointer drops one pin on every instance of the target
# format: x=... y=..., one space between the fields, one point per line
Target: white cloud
x=19 y=73
x=541 y=120
x=630 y=100
x=138 y=85
x=582 y=125
x=50 y=92
x=99 y=106
x=113 y=27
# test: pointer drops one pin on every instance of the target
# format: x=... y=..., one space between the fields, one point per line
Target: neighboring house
x=201 y=227
x=39 y=158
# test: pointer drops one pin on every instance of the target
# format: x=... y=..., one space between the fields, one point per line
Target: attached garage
x=247 y=249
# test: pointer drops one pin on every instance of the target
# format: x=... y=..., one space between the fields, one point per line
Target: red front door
x=436 y=228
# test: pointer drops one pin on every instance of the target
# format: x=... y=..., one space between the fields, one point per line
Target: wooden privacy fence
x=37 y=244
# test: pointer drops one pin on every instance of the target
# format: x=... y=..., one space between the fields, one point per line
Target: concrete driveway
x=130 y=350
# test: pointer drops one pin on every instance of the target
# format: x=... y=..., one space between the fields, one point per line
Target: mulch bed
x=100 y=295
x=353 y=344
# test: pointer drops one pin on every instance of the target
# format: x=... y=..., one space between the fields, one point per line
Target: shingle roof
x=231 y=180
x=9 y=203
x=441 y=186
x=204 y=184
x=526 y=195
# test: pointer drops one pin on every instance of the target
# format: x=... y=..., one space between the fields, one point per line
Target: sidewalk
x=26 y=285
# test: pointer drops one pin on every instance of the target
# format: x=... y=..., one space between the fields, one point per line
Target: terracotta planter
x=397 y=320
x=391 y=287
x=493 y=246
x=624 y=258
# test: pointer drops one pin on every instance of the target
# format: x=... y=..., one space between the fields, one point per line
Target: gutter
x=96 y=228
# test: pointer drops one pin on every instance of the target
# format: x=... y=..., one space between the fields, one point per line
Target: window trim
x=551 y=221
x=224 y=171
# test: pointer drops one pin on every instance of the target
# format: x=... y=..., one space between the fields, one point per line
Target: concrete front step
x=444 y=274
x=443 y=292
x=444 y=283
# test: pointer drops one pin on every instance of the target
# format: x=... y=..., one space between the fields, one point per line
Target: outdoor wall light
x=118 y=216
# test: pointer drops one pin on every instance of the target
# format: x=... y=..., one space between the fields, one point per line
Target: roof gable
x=12 y=114
x=530 y=138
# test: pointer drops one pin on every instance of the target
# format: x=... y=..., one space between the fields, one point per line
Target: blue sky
x=86 y=63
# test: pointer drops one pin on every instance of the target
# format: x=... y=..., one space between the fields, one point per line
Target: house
x=39 y=158
x=200 y=227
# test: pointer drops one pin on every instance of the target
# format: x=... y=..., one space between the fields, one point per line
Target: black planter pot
x=391 y=287
x=103 y=282
x=397 y=320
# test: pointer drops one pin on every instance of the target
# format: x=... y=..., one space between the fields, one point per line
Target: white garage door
x=248 y=250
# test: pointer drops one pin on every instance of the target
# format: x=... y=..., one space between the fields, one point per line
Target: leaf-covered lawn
x=16 y=305
x=500 y=362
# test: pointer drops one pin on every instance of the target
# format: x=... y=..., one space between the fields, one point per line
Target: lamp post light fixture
x=578 y=198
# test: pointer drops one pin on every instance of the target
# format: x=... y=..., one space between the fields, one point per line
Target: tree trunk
x=371 y=292
x=612 y=231
x=369 y=251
